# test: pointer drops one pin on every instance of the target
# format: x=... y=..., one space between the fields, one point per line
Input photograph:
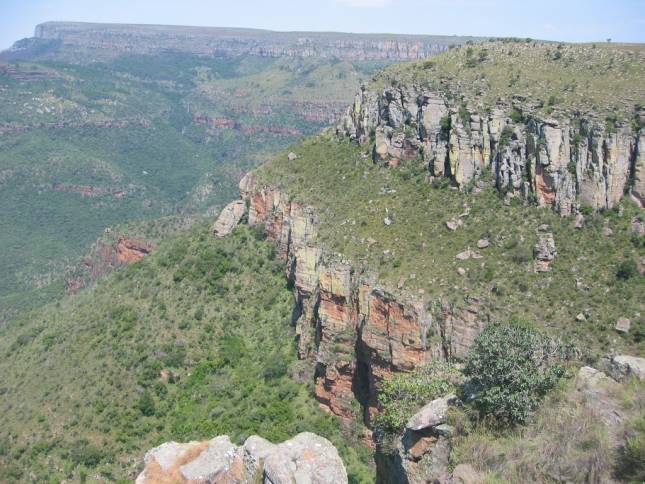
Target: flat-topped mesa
x=562 y=163
x=355 y=331
x=144 y=39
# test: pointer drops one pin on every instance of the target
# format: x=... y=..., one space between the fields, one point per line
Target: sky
x=565 y=20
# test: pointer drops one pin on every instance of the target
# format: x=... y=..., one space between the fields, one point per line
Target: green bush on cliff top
x=515 y=366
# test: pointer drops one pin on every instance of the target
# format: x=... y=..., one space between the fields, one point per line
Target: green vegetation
x=91 y=145
x=191 y=342
x=514 y=366
x=351 y=195
x=403 y=394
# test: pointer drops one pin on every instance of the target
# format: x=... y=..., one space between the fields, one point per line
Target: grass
x=194 y=341
x=352 y=196
x=565 y=441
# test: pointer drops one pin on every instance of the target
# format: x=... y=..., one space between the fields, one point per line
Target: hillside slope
x=195 y=340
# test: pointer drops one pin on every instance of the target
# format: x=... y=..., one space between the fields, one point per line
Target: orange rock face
x=353 y=330
x=132 y=249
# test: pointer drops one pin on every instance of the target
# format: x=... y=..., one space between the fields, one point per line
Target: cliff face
x=355 y=331
x=120 y=38
x=562 y=163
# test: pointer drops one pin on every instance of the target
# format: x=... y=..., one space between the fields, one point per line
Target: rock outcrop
x=355 y=331
x=422 y=453
x=132 y=249
x=625 y=366
x=560 y=163
x=305 y=459
x=229 y=218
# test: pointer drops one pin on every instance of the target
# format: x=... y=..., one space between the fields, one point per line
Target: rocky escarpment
x=562 y=162
x=306 y=458
x=118 y=38
x=354 y=330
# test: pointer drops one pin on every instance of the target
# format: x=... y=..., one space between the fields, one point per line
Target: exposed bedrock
x=562 y=163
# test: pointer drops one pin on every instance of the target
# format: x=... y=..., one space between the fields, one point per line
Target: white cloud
x=365 y=3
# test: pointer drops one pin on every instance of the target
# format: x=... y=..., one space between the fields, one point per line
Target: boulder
x=306 y=458
x=218 y=462
x=623 y=325
x=483 y=243
x=579 y=221
x=544 y=251
x=433 y=414
x=229 y=218
x=454 y=224
x=466 y=474
x=625 y=366
x=292 y=156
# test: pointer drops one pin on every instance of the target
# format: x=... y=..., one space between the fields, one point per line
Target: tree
x=514 y=366
x=146 y=404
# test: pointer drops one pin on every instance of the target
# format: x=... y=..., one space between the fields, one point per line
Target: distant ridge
x=78 y=39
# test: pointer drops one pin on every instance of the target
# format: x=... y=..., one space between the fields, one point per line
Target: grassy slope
x=215 y=314
x=347 y=190
x=566 y=440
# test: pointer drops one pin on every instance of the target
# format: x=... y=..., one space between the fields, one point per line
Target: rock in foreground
x=306 y=458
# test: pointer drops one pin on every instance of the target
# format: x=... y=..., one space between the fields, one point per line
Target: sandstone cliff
x=355 y=331
x=561 y=162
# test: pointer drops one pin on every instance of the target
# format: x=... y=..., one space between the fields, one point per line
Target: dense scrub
x=194 y=341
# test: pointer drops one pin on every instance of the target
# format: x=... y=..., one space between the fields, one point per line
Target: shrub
x=505 y=136
x=82 y=452
x=146 y=404
x=626 y=269
x=517 y=116
x=515 y=366
x=403 y=394
x=631 y=461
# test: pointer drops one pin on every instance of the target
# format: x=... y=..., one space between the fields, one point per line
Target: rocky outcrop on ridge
x=562 y=162
x=304 y=459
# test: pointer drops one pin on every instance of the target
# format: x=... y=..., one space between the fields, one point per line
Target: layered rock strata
x=561 y=163
x=355 y=331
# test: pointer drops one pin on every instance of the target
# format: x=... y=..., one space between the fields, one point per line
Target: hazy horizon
x=577 y=21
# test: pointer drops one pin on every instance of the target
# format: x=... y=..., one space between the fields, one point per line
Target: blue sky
x=568 y=20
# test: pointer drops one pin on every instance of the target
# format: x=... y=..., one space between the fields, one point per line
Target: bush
x=631 y=461
x=146 y=404
x=515 y=366
x=626 y=270
x=517 y=116
x=403 y=394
